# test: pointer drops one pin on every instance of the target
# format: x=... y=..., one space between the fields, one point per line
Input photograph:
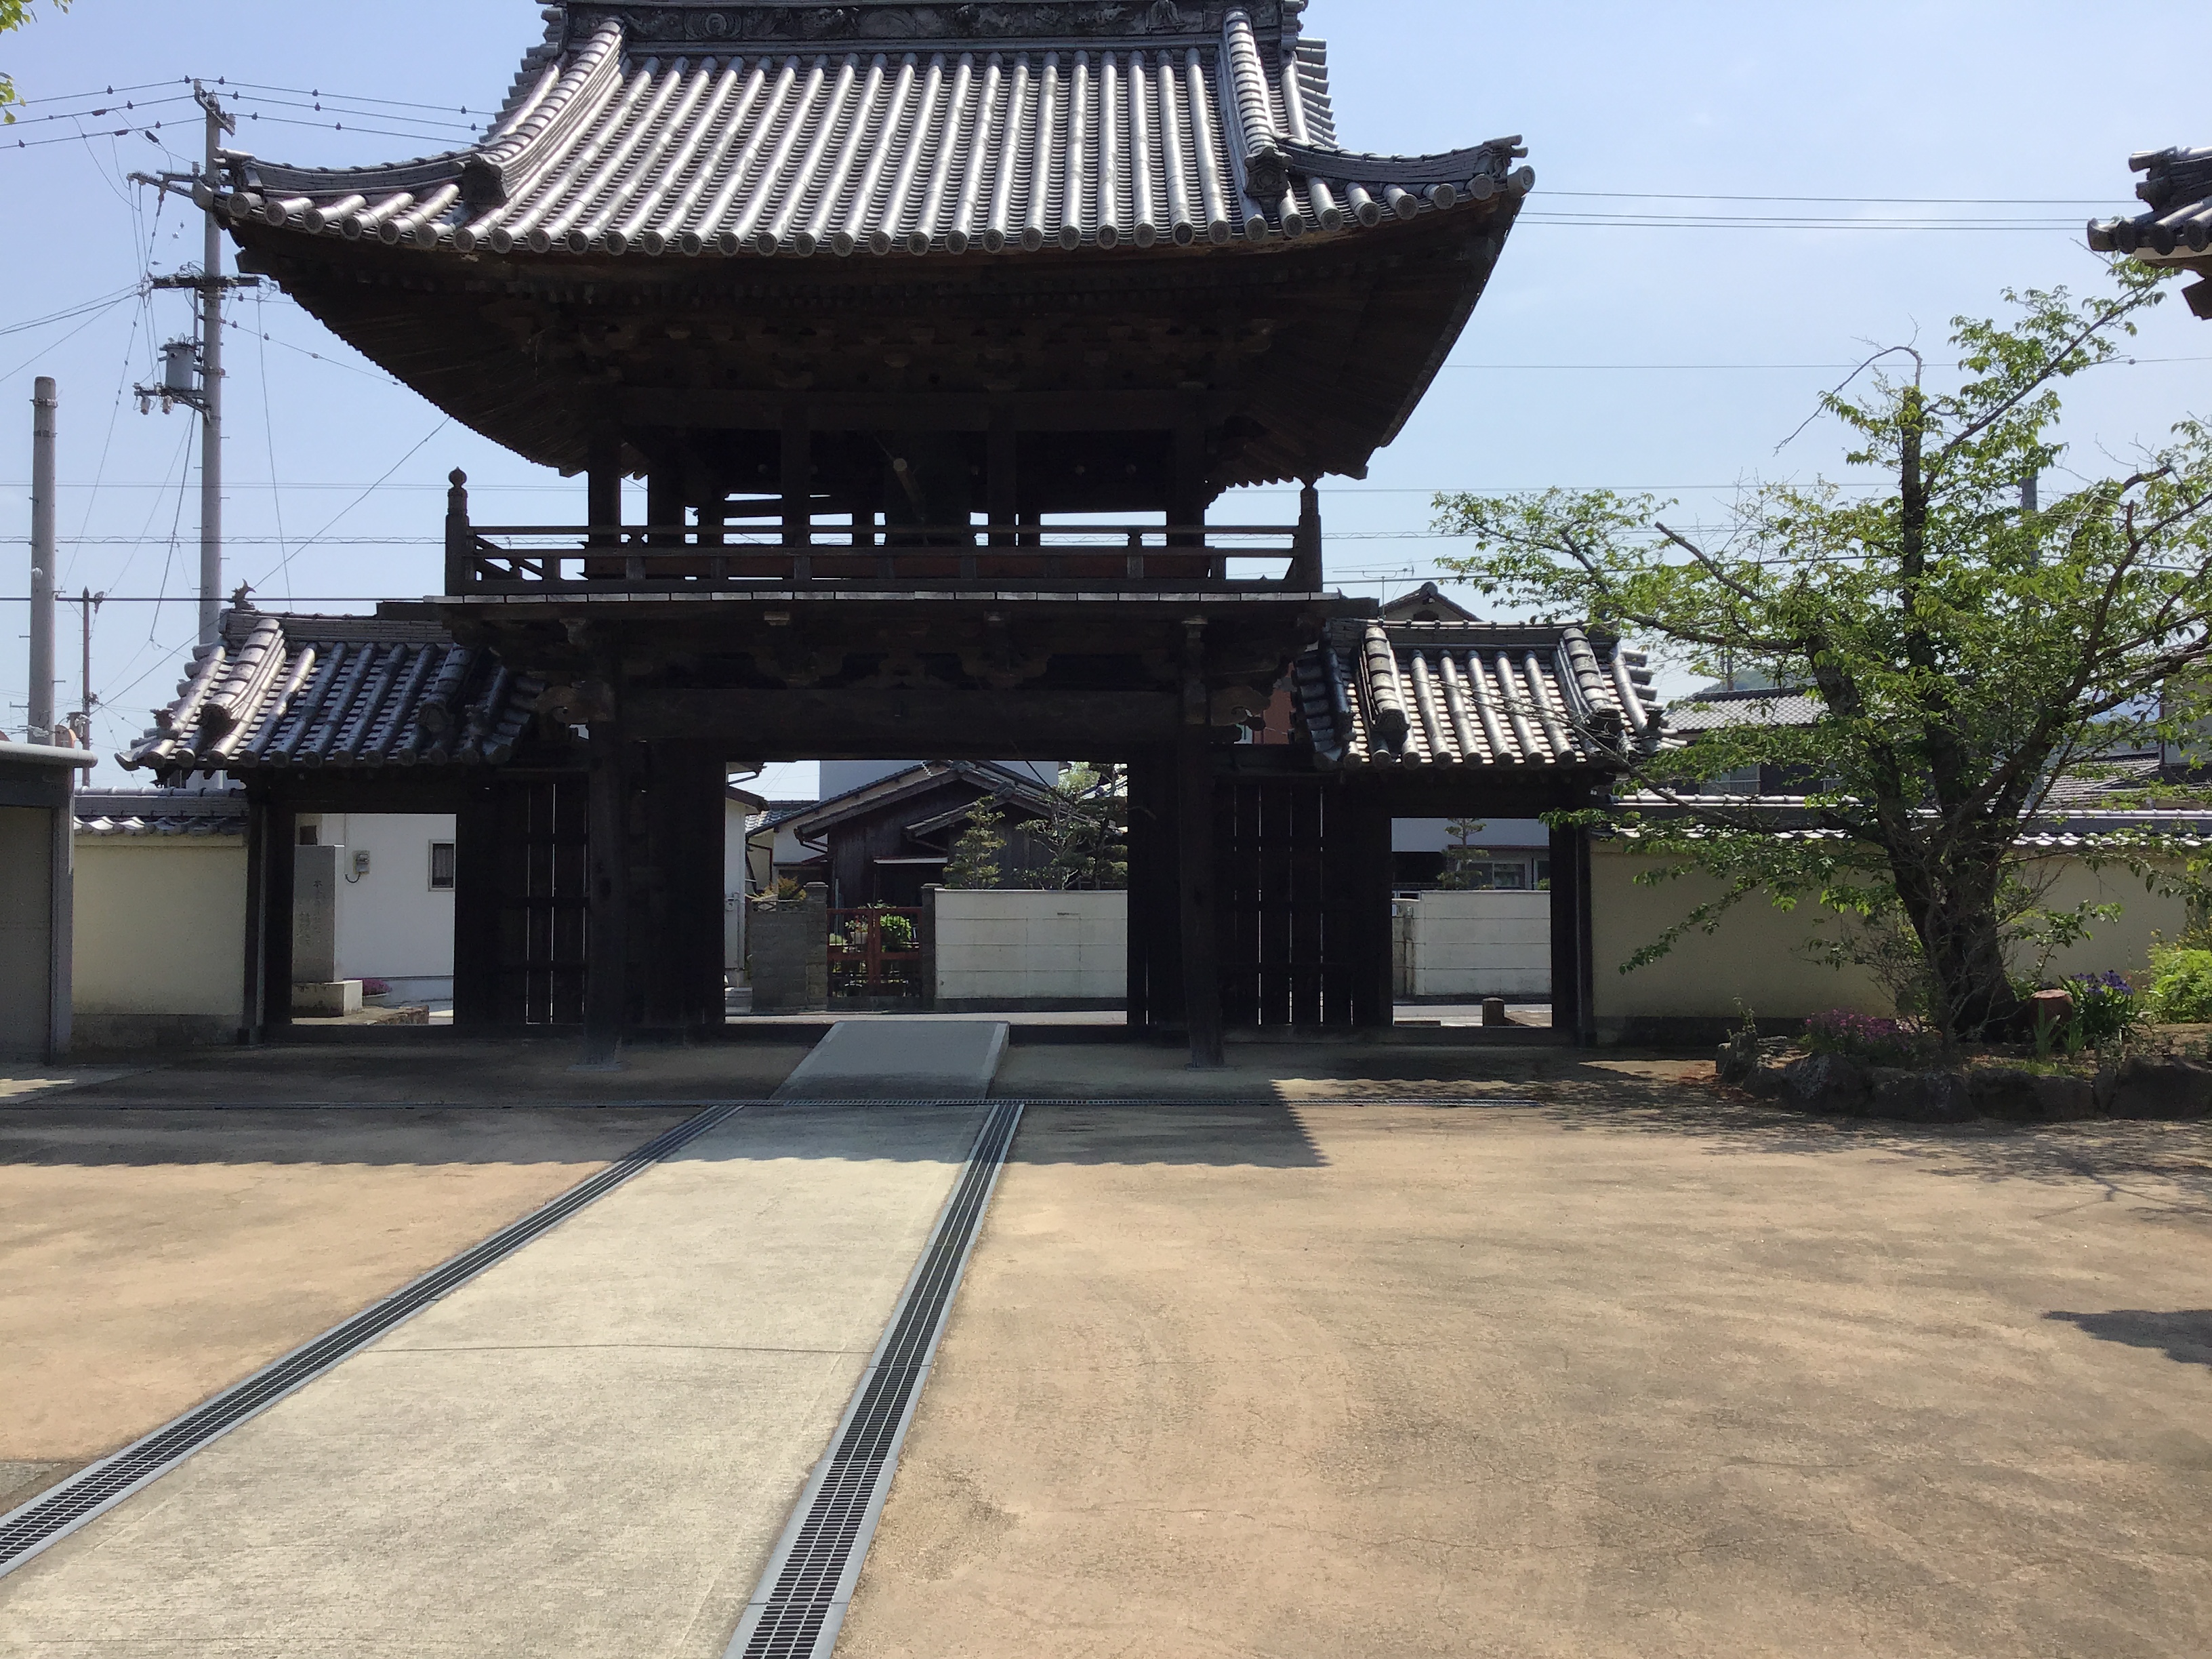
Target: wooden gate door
x=522 y=909
x=1304 y=875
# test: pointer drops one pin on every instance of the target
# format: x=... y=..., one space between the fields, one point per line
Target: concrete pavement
x=1616 y=1378
x=589 y=1450
x=152 y=1258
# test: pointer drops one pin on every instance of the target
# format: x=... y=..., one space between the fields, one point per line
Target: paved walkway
x=590 y=1450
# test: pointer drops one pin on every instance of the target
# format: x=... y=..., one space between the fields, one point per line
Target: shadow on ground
x=2184 y=1337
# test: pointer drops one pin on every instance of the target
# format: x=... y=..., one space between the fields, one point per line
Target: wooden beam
x=860 y=725
x=478 y=856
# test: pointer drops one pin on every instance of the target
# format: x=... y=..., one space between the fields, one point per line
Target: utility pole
x=192 y=371
x=218 y=124
x=81 y=723
x=43 y=401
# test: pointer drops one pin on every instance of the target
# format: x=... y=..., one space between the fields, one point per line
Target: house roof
x=660 y=128
x=281 y=690
x=137 y=813
x=1716 y=711
x=1425 y=695
x=1427 y=603
x=987 y=777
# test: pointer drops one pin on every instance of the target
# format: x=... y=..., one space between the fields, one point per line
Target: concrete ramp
x=901 y=1060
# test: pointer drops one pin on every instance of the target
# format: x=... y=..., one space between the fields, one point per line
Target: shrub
x=2106 y=1009
x=2181 y=986
x=1863 y=1037
x=375 y=987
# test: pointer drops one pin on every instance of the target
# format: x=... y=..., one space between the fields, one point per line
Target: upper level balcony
x=744 y=548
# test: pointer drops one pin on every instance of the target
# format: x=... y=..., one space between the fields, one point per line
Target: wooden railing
x=601 y=557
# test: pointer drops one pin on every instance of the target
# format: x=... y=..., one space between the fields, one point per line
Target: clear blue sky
x=1666 y=355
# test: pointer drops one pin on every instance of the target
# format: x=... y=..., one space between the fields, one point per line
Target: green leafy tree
x=974 y=861
x=14 y=13
x=1966 y=649
x=1085 y=833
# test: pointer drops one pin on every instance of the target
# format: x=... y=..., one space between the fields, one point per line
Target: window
x=443 y=864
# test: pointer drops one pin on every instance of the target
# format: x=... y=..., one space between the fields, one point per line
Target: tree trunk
x=1954 y=910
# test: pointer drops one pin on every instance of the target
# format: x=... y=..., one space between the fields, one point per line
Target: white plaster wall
x=1478 y=945
x=1757 y=956
x=734 y=851
x=160 y=937
x=1018 y=944
x=391 y=925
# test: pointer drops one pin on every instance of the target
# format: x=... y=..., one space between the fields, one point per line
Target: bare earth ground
x=1632 y=1371
x=149 y=1258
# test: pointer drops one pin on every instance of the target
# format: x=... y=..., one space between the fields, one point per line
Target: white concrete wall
x=1019 y=945
x=1477 y=944
x=734 y=851
x=1757 y=958
x=161 y=940
x=392 y=926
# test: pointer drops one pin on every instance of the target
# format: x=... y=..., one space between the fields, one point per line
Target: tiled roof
x=1007 y=127
x=316 y=691
x=108 y=813
x=2177 y=188
x=1716 y=711
x=1426 y=694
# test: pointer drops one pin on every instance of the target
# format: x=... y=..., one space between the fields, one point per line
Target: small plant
x=2107 y=1011
x=2181 y=986
x=896 y=931
x=375 y=987
x=1868 y=1039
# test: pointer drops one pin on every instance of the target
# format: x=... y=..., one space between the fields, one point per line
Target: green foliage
x=1966 y=653
x=14 y=13
x=788 y=889
x=2107 y=1012
x=974 y=862
x=2181 y=986
x=1460 y=853
x=1087 y=829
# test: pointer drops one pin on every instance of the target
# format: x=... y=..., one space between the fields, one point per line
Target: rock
x=1932 y=1096
x=2171 y=1090
x=2019 y=1096
x=1826 y=1082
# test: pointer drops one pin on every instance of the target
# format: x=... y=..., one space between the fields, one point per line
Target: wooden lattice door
x=523 y=904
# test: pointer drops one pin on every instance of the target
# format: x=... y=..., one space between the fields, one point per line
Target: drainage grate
x=801 y=1601
x=54 y=1515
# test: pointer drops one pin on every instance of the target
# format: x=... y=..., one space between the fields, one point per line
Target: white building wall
x=392 y=925
x=1017 y=947
x=1477 y=944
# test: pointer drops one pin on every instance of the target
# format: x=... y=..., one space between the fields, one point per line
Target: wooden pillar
x=798 y=476
x=1186 y=499
x=603 y=489
x=476 y=859
x=1003 y=485
x=1573 y=985
x=1196 y=806
x=664 y=504
x=606 y=985
x=461 y=536
x=1195 y=845
x=283 y=834
x=1154 y=894
x=676 y=888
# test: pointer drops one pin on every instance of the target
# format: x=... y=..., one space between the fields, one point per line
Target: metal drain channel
x=800 y=1603
x=53 y=1515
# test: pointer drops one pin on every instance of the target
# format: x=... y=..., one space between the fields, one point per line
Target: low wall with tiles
x=1007 y=951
